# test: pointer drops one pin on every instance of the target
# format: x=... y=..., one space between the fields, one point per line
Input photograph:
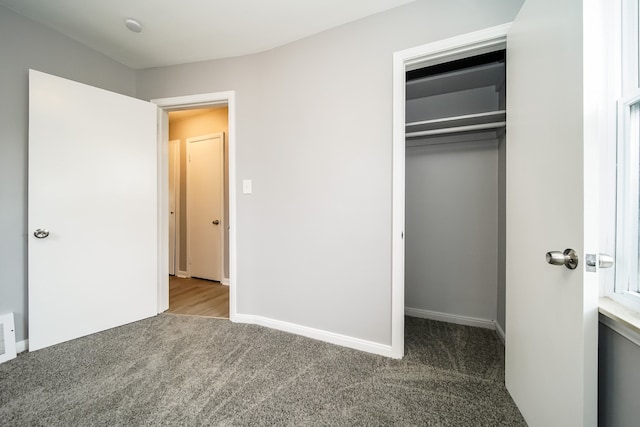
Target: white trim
x=501 y=333
x=450 y=318
x=22 y=346
x=620 y=328
x=629 y=41
x=486 y=40
x=225 y=281
x=193 y=101
x=482 y=41
x=163 y=210
x=318 y=334
x=182 y=274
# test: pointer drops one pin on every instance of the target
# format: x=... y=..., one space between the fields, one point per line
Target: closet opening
x=444 y=110
x=455 y=121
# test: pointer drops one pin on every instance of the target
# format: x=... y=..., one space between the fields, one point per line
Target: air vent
x=7 y=338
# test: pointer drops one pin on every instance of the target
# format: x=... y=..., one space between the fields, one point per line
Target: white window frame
x=630 y=17
x=627 y=282
x=628 y=195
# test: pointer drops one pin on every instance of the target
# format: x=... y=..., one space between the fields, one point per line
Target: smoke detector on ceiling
x=133 y=25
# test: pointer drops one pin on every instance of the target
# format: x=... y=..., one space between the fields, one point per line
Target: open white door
x=93 y=195
x=551 y=311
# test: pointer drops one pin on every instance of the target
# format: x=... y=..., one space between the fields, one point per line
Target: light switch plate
x=246 y=186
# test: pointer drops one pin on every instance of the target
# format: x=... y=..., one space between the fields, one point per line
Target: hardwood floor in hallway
x=198 y=297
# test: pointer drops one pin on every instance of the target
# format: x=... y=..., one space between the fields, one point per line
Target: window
x=627 y=273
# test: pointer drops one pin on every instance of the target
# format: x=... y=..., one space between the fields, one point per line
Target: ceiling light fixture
x=133 y=25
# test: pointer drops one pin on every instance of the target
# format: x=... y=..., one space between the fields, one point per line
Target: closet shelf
x=492 y=74
x=464 y=123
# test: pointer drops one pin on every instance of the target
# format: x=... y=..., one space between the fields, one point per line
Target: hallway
x=198 y=297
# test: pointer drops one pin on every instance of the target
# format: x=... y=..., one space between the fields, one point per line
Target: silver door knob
x=215 y=222
x=568 y=258
x=604 y=261
x=41 y=233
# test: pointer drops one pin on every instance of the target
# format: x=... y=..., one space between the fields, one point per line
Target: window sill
x=621 y=319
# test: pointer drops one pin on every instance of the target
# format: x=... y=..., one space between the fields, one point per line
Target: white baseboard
x=22 y=346
x=500 y=333
x=225 y=281
x=450 y=318
x=182 y=274
x=343 y=340
x=318 y=334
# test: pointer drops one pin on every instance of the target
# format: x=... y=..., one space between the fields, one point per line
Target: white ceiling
x=176 y=32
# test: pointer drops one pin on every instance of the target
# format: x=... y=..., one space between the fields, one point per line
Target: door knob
x=215 y=222
x=568 y=258
x=41 y=233
x=604 y=261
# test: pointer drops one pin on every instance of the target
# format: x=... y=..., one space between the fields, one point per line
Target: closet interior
x=455 y=191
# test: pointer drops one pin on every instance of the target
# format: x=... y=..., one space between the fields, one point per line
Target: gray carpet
x=179 y=370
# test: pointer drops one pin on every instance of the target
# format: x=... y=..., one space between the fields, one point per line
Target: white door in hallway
x=205 y=206
x=93 y=205
x=551 y=311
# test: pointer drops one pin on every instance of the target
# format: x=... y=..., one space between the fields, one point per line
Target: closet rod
x=458 y=118
x=455 y=129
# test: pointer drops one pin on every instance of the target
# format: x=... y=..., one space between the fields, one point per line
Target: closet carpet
x=179 y=370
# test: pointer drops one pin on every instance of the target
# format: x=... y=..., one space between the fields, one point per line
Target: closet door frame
x=466 y=45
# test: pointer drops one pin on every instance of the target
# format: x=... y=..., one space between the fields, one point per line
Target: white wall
x=25 y=44
x=314 y=135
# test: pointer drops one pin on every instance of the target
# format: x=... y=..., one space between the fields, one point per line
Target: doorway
x=198 y=189
x=447 y=51
x=455 y=146
x=166 y=105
